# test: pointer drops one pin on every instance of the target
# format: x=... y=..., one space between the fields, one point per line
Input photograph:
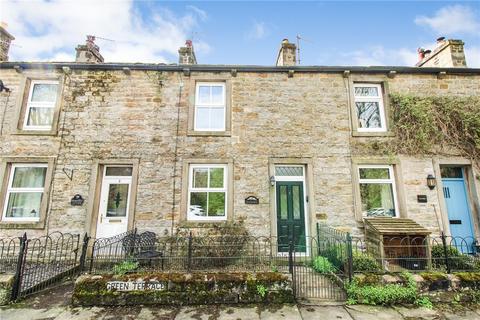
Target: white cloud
x=50 y=30
x=379 y=56
x=452 y=19
x=258 y=31
x=201 y=13
x=472 y=55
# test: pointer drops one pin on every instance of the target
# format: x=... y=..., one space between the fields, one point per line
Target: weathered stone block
x=6 y=286
x=183 y=288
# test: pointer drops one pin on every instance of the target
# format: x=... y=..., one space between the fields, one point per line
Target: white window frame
x=391 y=173
x=10 y=190
x=379 y=100
x=192 y=189
x=30 y=105
x=223 y=105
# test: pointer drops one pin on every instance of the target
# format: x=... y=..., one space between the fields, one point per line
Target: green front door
x=290 y=216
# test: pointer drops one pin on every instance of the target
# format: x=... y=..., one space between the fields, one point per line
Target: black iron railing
x=191 y=253
x=419 y=253
x=38 y=262
x=9 y=251
x=321 y=261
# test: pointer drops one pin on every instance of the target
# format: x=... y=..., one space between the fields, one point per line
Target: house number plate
x=251 y=200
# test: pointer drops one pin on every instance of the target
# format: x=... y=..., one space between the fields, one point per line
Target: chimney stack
x=448 y=54
x=5 y=40
x=89 y=52
x=186 y=55
x=287 y=56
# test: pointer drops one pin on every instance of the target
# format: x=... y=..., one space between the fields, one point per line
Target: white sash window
x=26 y=186
x=42 y=98
x=369 y=107
x=207 y=192
x=210 y=106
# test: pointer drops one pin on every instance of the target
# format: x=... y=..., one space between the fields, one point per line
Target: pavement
x=55 y=305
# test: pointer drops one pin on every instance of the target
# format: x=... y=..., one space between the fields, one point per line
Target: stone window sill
x=209 y=133
x=35 y=133
x=21 y=225
x=201 y=223
x=373 y=134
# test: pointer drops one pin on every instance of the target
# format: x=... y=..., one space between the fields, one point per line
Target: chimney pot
x=449 y=53
x=89 y=52
x=186 y=54
x=421 y=53
x=287 y=56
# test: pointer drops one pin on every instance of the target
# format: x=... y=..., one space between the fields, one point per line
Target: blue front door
x=458 y=208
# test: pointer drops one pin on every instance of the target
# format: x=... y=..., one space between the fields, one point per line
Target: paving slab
x=287 y=312
x=362 y=312
x=198 y=313
x=80 y=313
x=158 y=313
x=324 y=312
x=239 y=313
x=419 y=313
x=461 y=315
x=476 y=310
x=29 y=314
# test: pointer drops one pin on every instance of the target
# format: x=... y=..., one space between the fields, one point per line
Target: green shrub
x=261 y=290
x=364 y=262
x=273 y=268
x=336 y=253
x=323 y=265
x=424 y=302
x=125 y=267
x=389 y=294
x=457 y=260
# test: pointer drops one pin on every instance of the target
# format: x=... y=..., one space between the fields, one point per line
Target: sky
x=248 y=33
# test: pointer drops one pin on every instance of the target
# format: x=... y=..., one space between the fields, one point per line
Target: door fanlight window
x=289 y=171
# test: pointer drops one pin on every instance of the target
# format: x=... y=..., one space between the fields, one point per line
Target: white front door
x=114 y=201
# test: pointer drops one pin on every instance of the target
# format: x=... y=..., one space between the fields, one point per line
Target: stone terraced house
x=103 y=147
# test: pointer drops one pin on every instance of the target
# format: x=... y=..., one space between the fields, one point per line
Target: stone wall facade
x=111 y=116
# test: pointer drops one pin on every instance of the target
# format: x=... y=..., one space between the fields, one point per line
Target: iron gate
x=45 y=260
x=322 y=267
x=319 y=267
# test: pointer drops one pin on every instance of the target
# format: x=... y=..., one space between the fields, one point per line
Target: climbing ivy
x=425 y=125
